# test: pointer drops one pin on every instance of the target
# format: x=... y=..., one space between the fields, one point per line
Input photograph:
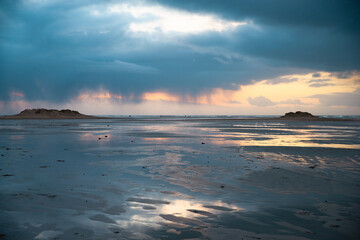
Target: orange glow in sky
x=100 y=95
x=17 y=94
x=268 y=96
x=160 y=96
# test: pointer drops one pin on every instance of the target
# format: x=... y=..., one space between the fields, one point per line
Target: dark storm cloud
x=310 y=48
x=305 y=33
x=303 y=47
x=56 y=49
x=335 y=14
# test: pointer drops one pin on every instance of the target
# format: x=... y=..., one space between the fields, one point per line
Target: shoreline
x=53 y=114
x=178 y=118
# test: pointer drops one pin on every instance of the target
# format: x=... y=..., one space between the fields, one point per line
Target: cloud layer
x=54 y=51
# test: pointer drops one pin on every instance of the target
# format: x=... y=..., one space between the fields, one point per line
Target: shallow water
x=170 y=178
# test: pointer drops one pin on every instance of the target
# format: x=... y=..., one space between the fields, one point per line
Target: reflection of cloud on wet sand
x=178 y=213
x=94 y=136
x=17 y=137
x=149 y=185
x=275 y=135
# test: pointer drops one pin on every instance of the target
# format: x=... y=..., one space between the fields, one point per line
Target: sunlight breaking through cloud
x=152 y=19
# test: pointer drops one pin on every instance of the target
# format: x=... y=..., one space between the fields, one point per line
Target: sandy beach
x=165 y=178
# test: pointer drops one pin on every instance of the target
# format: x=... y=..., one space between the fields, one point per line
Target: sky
x=204 y=57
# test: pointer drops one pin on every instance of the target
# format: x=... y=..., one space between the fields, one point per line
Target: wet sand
x=176 y=178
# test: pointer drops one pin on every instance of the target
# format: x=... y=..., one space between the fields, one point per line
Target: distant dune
x=299 y=115
x=42 y=113
x=306 y=116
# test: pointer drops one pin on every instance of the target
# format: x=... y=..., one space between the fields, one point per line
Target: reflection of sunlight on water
x=258 y=125
x=156 y=140
x=283 y=140
x=149 y=221
x=181 y=208
x=335 y=127
x=160 y=128
x=16 y=137
x=291 y=137
x=95 y=136
x=182 y=212
x=169 y=158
